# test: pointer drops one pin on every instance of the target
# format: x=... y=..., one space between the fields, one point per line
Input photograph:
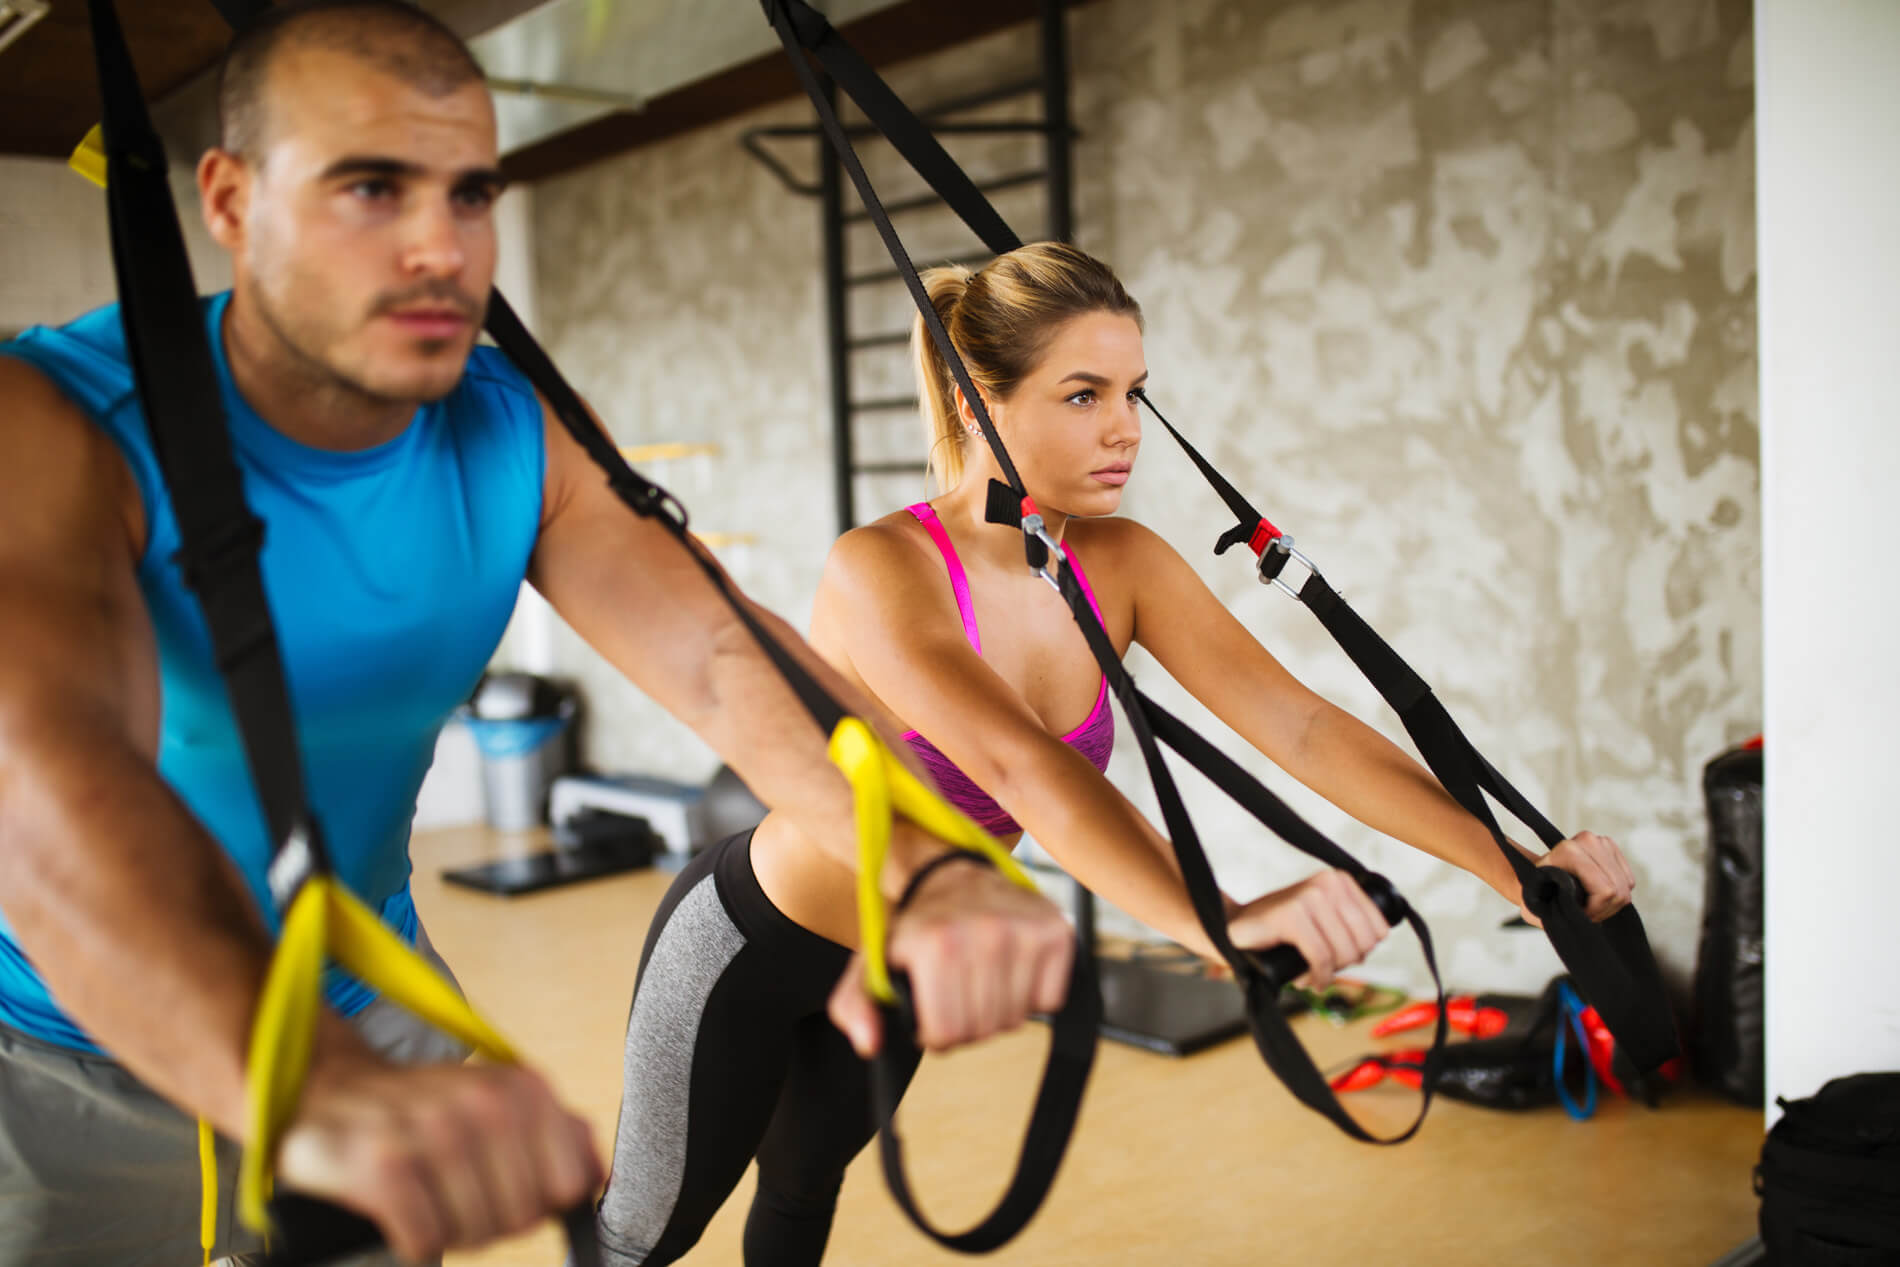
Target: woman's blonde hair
x=1001 y=319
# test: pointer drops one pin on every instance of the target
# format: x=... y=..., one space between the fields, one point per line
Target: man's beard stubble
x=316 y=375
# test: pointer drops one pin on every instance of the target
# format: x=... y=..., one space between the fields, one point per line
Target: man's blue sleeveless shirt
x=391 y=573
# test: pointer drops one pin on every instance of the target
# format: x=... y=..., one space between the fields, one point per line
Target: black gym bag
x=1829 y=1178
x=1727 y=1043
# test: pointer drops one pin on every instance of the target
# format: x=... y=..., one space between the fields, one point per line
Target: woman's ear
x=967 y=416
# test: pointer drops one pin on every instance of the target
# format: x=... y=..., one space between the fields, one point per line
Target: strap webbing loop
x=880 y=786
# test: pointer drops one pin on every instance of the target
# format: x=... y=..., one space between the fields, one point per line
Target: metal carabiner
x=1033 y=526
x=1284 y=544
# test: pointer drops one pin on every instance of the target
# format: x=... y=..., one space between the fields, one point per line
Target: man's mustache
x=434 y=295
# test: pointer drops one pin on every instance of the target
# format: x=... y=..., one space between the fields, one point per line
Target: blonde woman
x=732 y=1052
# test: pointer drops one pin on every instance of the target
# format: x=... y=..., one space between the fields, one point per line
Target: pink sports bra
x=1094 y=738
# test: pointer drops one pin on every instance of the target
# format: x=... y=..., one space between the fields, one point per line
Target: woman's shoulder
x=877 y=574
x=873 y=548
x=884 y=561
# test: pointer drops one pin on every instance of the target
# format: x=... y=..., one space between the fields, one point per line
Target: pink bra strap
x=1083 y=577
x=959 y=583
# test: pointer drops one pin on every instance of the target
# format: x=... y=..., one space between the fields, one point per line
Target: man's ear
x=224 y=196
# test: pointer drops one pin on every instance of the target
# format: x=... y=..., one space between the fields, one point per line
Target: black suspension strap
x=170 y=357
x=1073 y=1029
x=1612 y=961
x=647 y=499
x=172 y=367
x=1261 y=975
x=801 y=30
x=172 y=364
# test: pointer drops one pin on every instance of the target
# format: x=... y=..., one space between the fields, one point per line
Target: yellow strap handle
x=326 y=921
x=208 y=1184
x=881 y=788
x=89 y=158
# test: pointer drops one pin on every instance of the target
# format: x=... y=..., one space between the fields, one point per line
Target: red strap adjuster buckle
x=1264 y=535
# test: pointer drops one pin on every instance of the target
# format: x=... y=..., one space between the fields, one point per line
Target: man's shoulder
x=85 y=358
x=491 y=380
x=495 y=412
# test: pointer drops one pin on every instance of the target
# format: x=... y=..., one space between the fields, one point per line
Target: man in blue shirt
x=409 y=482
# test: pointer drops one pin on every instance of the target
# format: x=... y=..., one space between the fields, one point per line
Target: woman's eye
x=1082 y=398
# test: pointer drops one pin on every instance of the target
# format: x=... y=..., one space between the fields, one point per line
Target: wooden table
x=1204 y=1160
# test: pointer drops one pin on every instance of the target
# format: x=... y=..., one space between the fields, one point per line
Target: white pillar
x=514 y=245
x=1828 y=173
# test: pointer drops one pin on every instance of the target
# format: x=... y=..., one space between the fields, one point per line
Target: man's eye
x=476 y=197
x=374 y=189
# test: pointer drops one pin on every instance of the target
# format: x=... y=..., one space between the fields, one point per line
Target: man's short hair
x=395 y=37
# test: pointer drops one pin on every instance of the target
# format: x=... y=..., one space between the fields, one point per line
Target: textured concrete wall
x=679 y=289
x=56 y=252
x=1461 y=292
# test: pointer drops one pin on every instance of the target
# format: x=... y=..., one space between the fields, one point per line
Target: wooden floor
x=1205 y=1160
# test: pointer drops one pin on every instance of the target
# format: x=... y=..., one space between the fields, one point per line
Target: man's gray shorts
x=97 y=1170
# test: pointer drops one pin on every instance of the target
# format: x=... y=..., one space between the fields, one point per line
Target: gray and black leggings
x=730 y=1056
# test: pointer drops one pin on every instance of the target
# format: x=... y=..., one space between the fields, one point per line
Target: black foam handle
x=1282 y=964
x=1550 y=887
x=309 y=1233
x=900 y=1015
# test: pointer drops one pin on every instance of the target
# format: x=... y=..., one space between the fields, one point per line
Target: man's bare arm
x=130 y=911
x=626 y=585
x=140 y=925
x=981 y=953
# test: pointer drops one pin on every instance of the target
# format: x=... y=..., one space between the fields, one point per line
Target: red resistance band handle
x=1405 y=1067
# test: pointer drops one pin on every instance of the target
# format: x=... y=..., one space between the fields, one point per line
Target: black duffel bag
x=1726 y=1040
x=1829 y=1178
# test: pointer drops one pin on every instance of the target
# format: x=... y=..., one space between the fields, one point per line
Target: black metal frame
x=1052 y=83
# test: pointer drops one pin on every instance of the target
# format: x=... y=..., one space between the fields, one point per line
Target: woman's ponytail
x=936 y=387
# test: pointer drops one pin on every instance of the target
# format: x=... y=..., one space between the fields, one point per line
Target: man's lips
x=438 y=323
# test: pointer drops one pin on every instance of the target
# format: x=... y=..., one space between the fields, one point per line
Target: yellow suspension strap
x=89 y=156
x=882 y=787
x=326 y=921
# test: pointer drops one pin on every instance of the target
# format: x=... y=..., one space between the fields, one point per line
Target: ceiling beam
x=890 y=35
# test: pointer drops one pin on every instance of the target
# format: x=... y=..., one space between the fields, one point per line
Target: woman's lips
x=1116 y=475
